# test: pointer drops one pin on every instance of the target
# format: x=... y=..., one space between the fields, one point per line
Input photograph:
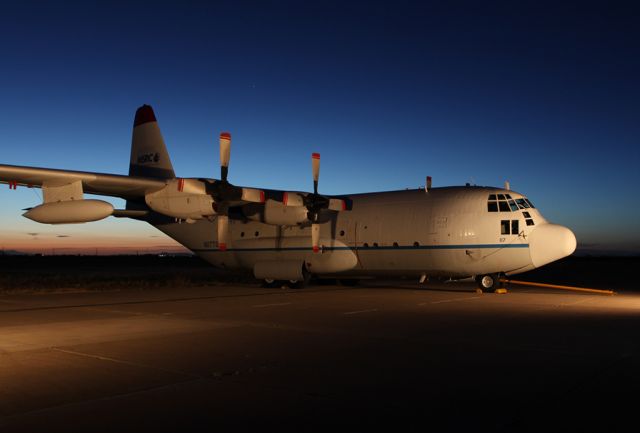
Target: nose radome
x=550 y=242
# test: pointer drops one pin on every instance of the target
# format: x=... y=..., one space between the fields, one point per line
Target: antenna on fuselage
x=427 y=186
x=507 y=186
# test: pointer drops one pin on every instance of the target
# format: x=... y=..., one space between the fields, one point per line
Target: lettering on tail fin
x=148 y=157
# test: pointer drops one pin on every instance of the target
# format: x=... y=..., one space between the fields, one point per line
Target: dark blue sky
x=545 y=95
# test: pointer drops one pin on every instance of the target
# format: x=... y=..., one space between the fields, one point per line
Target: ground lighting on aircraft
x=453 y=232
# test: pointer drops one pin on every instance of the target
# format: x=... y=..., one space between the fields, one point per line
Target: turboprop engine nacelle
x=276 y=213
x=182 y=198
x=70 y=212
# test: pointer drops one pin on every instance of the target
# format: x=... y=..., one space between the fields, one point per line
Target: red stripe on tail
x=144 y=115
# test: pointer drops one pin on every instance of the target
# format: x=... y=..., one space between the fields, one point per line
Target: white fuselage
x=445 y=232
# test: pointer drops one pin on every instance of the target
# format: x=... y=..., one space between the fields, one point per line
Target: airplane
x=287 y=237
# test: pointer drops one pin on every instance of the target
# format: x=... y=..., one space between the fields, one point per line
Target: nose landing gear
x=489 y=283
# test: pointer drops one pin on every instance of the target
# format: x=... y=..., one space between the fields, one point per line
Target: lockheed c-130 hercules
x=288 y=236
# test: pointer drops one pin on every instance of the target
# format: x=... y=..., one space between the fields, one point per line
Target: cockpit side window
x=522 y=204
x=504 y=227
x=529 y=203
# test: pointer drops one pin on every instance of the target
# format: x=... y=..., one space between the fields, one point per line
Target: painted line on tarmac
x=4 y=301
x=125 y=362
x=360 y=311
x=279 y=304
x=443 y=301
x=158 y=301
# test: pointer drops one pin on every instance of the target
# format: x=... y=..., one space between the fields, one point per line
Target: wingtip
x=144 y=115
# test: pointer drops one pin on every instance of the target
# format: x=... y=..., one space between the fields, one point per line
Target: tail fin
x=149 y=156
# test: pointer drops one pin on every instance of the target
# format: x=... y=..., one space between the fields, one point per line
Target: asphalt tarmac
x=393 y=356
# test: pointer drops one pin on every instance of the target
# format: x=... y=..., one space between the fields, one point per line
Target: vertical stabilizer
x=149 y=156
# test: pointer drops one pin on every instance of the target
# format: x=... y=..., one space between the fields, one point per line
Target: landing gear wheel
x=301 y=284
x=272 y=284
x=488 y=282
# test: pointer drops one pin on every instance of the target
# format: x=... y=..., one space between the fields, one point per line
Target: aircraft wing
x=114 y=185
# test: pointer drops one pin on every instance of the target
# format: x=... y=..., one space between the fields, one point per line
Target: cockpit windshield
x=504 y=203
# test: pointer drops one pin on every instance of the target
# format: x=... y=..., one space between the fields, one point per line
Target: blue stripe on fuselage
x=371 y=248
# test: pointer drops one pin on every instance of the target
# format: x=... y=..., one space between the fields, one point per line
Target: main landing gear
x=292 y=284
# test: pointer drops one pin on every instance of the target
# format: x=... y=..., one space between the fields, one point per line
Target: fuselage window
x=514 y=227
x=504 y=207
x=416 y=244
x=395 y=245
x=529 y=222
x=366 y=245
x=375 y=245
x=493 y=206
x=241 y=234
x=504 y=227
x=257 y=234
x=341 y=232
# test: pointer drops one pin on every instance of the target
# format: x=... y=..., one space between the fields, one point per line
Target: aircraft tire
x=301 y=284
x=488 y=282
x=272 y=284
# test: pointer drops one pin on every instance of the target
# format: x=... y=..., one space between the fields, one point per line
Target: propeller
x=314 y=209
x=224 y=193
x=223 y=231
x=315 y=237
x=314 y=203
x=225 y=155
x=315 y=167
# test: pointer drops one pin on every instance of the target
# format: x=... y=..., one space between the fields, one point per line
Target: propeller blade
x=292 y=199
x=223 y=232
x=253 y=195
x=315 y=166
x=337 y=204
x=315 y=237
x=225 y=154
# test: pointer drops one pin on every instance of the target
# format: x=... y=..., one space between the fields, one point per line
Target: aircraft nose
x=550 y=242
